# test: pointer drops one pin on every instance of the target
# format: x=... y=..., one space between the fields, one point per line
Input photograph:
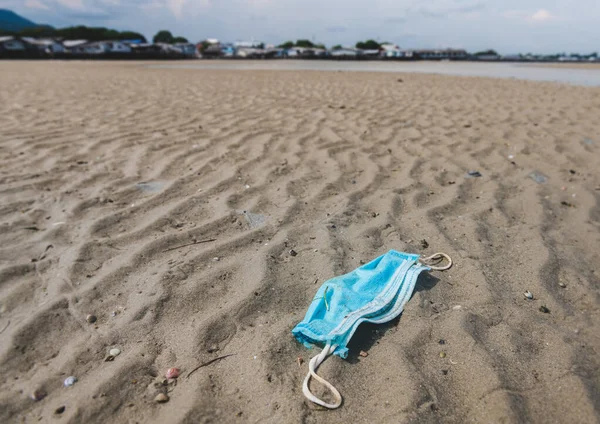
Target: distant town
x=23 y=47
x=23 y=39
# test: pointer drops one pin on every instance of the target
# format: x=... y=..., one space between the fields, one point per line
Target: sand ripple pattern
x=106 y=167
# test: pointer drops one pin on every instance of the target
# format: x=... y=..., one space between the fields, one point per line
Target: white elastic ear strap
x=313 y=365
x=437 y=256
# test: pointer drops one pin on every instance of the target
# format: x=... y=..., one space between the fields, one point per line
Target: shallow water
x=572 y=75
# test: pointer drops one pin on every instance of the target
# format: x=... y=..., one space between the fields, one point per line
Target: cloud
x=36 y=4
x=336 y=29
x=541 y=15
x=176 y=7
x=72 y=4
x=395 y=20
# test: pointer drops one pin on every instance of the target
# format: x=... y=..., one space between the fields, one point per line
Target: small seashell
x=442 y=354
x=161 y=398
x=91 y=318
x=38 y=394
x=172 y=373
x=528 y=295
x=561 y=284
x=69 y=381
x=114 y=352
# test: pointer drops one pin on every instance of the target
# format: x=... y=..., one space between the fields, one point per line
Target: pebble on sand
x=363 y=354
x=38 y=394
x=69 y=381
x=528 y=295
x=91 y=318
x=114 y=352
x=544 y=309
x=60 y=409
x=293 y=252
x=161 y=398
x=172 y=373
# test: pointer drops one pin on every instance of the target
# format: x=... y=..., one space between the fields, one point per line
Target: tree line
x=93 y=34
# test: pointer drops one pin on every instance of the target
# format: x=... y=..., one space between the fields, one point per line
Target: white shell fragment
x=528 y=295
x=114 y=352
x=69 y=381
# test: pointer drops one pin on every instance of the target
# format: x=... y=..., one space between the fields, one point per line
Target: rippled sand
x=108 y=168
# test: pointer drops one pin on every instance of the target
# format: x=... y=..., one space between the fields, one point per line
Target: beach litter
x=375 y=292
x=254 y=220
x=538 y=177
x=588 y=142
x=150 y=186
x=473 y=174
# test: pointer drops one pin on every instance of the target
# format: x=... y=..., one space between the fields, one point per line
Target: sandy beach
x=166 y=203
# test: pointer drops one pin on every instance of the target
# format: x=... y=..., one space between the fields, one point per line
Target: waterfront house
x=441 y=54
x=45 y=45
x=12 y=44
x=344 y=53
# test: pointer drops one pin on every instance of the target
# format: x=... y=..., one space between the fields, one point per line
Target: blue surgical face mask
x=376 y=293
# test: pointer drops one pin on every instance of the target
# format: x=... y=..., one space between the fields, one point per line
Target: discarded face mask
x=376 y=293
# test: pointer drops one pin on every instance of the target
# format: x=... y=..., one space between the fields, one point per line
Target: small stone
x=442 y=341
x=114 y=352
x=544 y=309
x=60 y=410
x=457 y=308
x=69 y=381
x=424 y=244
x=161 y=398
x=172 y=373
x=445 y=372
x=442 y=354
x=528 y=295
x=363 y=354
x=216 y=259
x=91 y=318
x=293 y=252
x=561 y=284
x=38 y=394
x=212 y=348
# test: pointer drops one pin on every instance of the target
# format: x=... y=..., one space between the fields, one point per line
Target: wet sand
x=108 y=169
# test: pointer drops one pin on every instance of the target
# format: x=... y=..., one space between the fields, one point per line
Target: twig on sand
x=5 y=327
x=188 y=244
x=208 y=363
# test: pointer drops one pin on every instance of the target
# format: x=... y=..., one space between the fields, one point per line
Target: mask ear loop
x=437 y=256
x=313 y=365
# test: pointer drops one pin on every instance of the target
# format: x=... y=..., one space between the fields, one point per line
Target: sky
x=509 y=26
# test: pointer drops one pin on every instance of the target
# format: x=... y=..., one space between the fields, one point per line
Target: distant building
x=97 y=47
x=248 y=44
x=344 y=53
x=45 y=45
x=12 y=44
x=440 y=54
